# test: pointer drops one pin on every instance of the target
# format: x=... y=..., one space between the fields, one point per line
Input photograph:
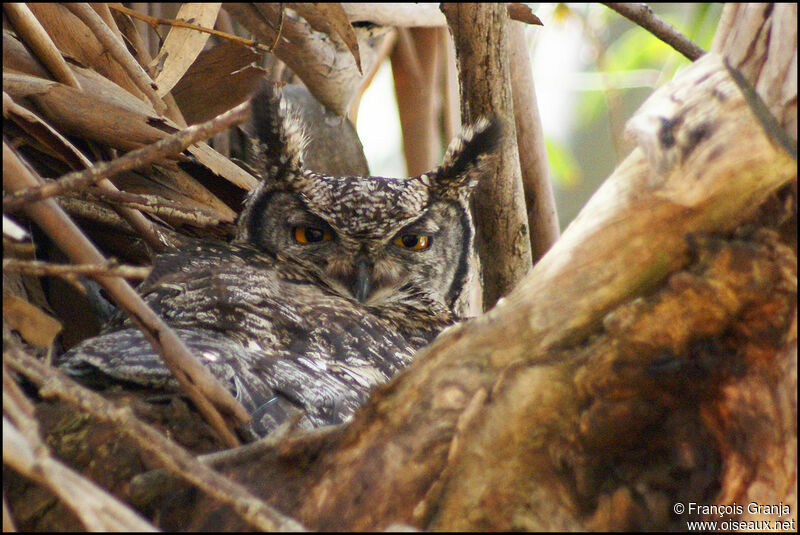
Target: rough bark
x=480 y=34
x=760 y=39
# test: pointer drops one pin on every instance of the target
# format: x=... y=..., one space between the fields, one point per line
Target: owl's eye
x=311 y=234
x=417 y=242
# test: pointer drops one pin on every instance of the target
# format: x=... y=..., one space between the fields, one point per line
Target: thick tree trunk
x=480 y=34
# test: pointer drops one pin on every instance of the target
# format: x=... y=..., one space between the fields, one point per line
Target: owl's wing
x=126 y=357
x=308 y=376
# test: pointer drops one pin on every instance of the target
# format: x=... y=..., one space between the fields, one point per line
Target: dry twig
x=642 y=15
x=155 y=21
x=71 y=271
x=153 y=204
x=164 y=148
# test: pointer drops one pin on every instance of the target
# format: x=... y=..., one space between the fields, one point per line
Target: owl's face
x=372 y=239
x=379 y=241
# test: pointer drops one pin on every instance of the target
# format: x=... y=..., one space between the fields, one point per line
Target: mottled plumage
x=331 y=286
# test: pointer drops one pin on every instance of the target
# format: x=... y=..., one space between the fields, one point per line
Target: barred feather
x=280 y=132
x=466 y=159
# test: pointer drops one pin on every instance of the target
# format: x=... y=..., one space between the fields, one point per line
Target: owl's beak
x=362 y=281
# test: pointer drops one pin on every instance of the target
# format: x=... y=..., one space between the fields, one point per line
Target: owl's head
x=380 y=241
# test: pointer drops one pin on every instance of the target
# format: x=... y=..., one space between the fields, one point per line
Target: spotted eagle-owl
x=330 y=287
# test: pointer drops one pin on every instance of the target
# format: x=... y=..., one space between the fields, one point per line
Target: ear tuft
x=280 y=134
x=467 y=159
x=279 y=146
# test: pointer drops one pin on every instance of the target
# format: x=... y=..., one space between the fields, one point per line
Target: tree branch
x=153 y=204
x=419 y=15
x=642 y=15
x=164 y=148
x=539 y=200
x=71 y=271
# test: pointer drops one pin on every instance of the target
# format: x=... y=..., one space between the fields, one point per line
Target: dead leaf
x=75 y=40
x=222 y=166
x=183 y=45
x=44 y=134
x=523 y=13
x=36 y=327
x=199 y=94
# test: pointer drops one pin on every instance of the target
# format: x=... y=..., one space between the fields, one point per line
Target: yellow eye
x=311 y=234
x=417 y=242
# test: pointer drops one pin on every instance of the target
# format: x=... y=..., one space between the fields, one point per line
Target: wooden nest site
x=646 y=363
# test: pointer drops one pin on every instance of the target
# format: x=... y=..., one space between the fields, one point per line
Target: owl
x=329 y=288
